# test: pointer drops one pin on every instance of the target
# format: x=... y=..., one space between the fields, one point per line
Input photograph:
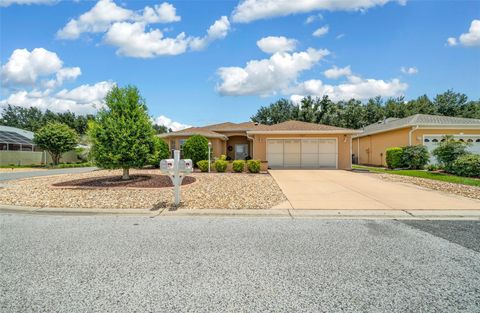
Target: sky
x=202 y=62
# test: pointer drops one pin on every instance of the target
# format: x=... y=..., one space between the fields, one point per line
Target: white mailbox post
x=176 y=169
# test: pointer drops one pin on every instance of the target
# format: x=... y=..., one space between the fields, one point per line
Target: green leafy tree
x=161 y=129
x=450 y=103
x=23 y=118
x=277 y=112
x=56 y=138
x=122 y=135
x=196 y=148
x=449 y=150
x=162 y=151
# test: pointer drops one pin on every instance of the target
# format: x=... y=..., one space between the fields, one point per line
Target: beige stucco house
x=291 y=144
x=421 y=129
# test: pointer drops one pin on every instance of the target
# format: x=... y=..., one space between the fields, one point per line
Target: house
x=17 y=148
x=420 y=129
x=291 y=144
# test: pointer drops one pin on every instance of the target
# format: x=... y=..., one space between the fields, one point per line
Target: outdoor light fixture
x=209 y=147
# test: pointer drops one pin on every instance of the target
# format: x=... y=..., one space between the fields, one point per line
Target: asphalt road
x=19 y=175
x=52 y=263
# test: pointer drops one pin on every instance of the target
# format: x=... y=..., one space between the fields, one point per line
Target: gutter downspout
x=410 y=134
x=253 y=142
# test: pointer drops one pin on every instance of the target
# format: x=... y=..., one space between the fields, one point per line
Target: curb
x=280 y=212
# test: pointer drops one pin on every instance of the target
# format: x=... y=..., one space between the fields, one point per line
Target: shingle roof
x=420 y=120
x=292 y=126
x=232 y=126
x=194 y=131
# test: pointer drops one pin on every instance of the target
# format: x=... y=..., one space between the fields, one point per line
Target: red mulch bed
x=135 y=181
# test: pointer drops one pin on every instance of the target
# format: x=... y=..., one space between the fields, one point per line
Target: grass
x=424 y=174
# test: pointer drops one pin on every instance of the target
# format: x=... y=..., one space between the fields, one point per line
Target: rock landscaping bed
x=214 y=190
x=458 y=189
x=135 y=181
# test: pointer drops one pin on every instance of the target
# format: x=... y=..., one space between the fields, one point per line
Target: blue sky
x=53 y=57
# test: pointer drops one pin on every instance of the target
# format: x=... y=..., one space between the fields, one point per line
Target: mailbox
x=185 y=166
x=166 y=165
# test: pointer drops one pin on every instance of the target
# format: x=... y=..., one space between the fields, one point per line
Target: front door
x=241 y=151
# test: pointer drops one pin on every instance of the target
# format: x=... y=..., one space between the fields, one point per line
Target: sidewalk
x=286 y=213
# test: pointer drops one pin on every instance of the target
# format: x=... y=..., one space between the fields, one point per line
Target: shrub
x=161 y=151
x=415 y=157
x=223 y=157
x=221 y=165
x=203 y=165
x=196 y=148
x=238 y=166
x=253 y=166
x=449 y=150
x=466 y=165
x=394 y=157
x=432 y=167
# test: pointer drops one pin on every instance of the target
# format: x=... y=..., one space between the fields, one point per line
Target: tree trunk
x=126 y=174
x=55 y=158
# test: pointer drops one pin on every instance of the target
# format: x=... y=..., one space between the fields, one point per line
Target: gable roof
x=299 y=127
x=228 y=126
x=420 y=120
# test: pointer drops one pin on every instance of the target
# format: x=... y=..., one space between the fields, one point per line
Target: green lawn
x=424 y=174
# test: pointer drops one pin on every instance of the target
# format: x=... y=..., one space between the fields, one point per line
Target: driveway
x=346 y=190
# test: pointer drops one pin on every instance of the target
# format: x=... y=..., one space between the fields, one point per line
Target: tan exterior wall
x=371 y=150
x=344 y=155
x=218 y=145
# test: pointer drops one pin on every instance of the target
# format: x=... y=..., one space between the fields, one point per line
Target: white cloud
x=97 y=20
x=86 y=99
x=336 y=72
x=64 y=74
x=274 y=44
x=267 y=76
x=312 y=18
x=106 y=12
x=340 y=36
x=24 y=67
x=451 y=41
x=218 y=30
x=132 y=40
x=251 y=10
x=470 y=39
x=321 y=31
x=167 y=122
x=355 y=87
x=160 y=13
x=409 y=70
x=6 y=3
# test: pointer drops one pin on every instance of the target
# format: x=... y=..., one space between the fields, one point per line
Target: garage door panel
x=310 y=160
x=327 y=146
x=327 y=160
x=275 y=146
x=275 y=160
x=310 y=146
x=292 y=146
x=291 y=160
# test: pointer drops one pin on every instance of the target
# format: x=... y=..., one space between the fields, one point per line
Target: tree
x=277 y=112
x=196 y=148
x=56 y=138
x=24 y=118
x=450 y=103
x=162 y=151
x=161 y=129
x=122 y=135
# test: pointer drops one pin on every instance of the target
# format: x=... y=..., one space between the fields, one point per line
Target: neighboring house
x=369 y=147
x=291 y=144
x=17 y=148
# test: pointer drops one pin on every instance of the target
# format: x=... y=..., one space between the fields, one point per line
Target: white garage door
x=302 y=153
x=432 y=141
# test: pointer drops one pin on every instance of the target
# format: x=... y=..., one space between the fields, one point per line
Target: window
x=470 y=140
x=478 y=140
x=427 y=140
x=434 y=140
x=182 y=142
x=172 y=144
x=461 y=140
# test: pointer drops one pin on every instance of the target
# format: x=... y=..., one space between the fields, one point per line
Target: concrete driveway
x=345 y=190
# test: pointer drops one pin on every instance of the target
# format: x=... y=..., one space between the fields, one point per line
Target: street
x=68 y=263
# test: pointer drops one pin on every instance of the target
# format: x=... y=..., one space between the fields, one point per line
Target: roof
x=14 y=138
x=300 y=127
x=19 y=131
x=419 y=120
x=217 y=130
x=194 y=131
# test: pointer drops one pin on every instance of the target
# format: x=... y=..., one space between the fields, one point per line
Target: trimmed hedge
x=449 y=150
x=195 y=148
x=253 y=166
x=238 y=166
x=466 y=165
x=394 y=157
x=415 y=157
x=220 y=165
x=203 y=165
